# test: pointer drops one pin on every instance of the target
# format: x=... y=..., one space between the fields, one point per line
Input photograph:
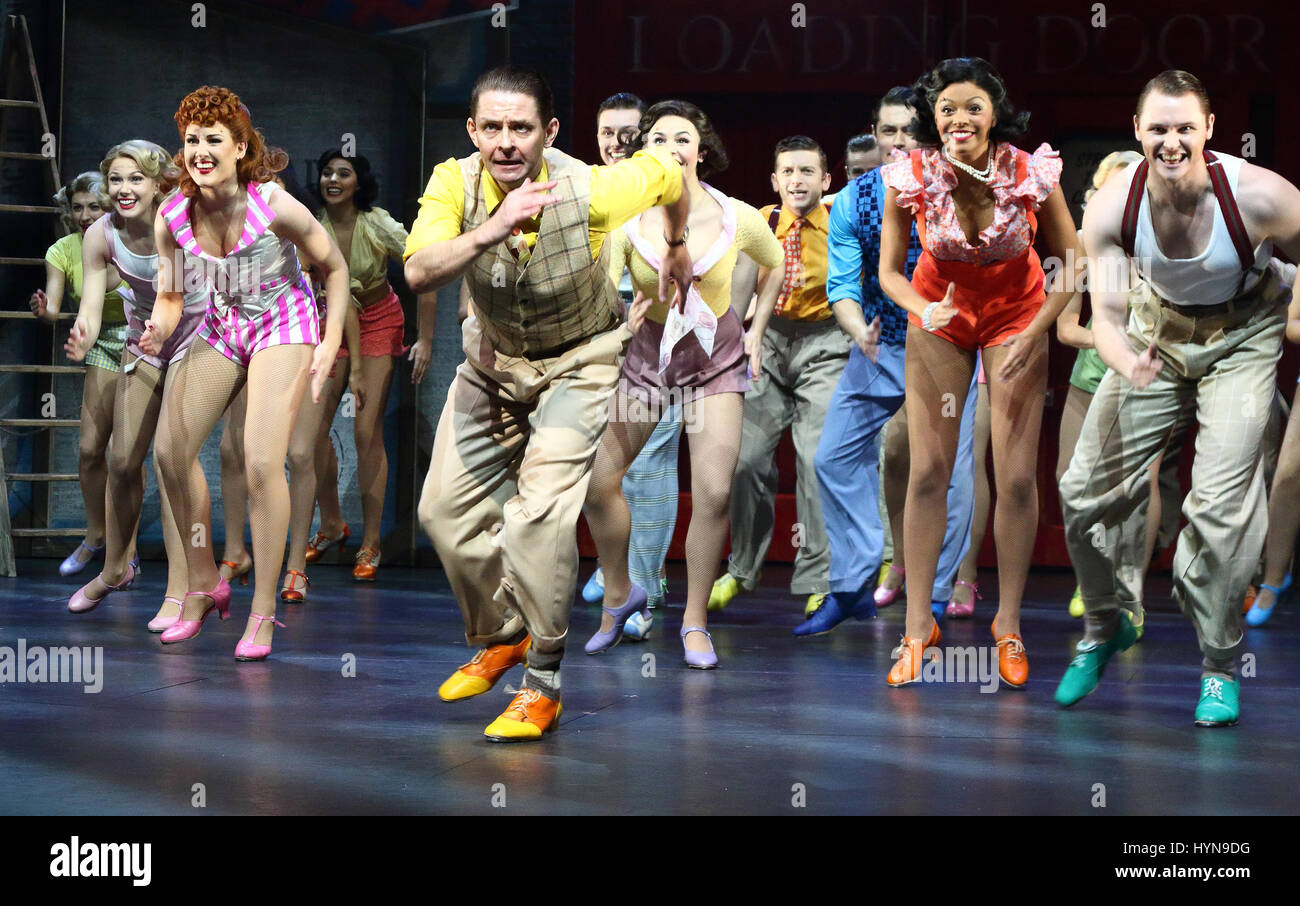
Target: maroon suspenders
x=1222 y=194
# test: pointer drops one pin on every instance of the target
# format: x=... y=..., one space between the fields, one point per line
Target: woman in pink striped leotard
x=245 y=233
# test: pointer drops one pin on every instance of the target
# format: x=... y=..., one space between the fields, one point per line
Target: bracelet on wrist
x=926 y=315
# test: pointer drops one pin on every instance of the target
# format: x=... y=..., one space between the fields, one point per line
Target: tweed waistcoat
x=560 y=296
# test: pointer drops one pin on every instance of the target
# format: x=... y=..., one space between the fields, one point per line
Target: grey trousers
x=802 y=363
x=1221 y=372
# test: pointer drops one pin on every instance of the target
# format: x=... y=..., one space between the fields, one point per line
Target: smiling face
x=130 y=190
x=1173 y=132
x=893 y=129
x=85 y=209
x=800 y=180
x=338 y=182
x=613 y=127
x=211 y=155
x=678 y=135
x=963 y=114
x=510 y=135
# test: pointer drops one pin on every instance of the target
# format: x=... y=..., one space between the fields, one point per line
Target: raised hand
x=1145 y=368
x=520 y=206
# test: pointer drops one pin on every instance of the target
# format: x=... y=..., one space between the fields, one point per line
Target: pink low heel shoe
x=247 y=651
x=183 y=630
x=80 y=602
x=158 y=624
x=886 y=596
x=963 y=611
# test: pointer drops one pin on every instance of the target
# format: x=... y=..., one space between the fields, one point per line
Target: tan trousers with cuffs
x=511 y=462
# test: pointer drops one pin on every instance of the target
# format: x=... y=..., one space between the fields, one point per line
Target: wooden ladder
x=21 y=79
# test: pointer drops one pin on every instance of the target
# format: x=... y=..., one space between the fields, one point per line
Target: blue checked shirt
x=853 y=252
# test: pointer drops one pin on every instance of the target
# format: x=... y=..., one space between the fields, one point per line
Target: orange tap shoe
x=530 y=716
x=367 y=565
x=238 y=571
x=482 y=673
x=320 y=543
x=909 y=657
x=1013 y=665
x=290 y=592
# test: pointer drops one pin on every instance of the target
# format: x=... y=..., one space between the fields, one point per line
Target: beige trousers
x=511 y=462
x=1220 y=371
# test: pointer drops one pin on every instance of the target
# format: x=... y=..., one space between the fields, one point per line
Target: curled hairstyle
x=713 y=158
x=153 y=161
x=91 y=181
x=367 y=186
x=1010 y=123
x=1115 y=160
x=1175 y=83
x=515 y=80
x=211 y=105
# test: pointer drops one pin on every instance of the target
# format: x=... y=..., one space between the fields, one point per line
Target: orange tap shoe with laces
x=1013 y=665
x=483 y=671
x=530 y=716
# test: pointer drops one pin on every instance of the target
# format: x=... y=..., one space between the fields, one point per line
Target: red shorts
x=382 y=326
x=994 y=301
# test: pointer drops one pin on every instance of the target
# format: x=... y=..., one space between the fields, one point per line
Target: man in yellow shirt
x=525 y=225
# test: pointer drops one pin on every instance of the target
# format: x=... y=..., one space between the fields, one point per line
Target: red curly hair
x=211 y=105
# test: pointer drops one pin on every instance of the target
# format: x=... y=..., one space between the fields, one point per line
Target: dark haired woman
x=231 y=220
x=83 y=201
x=710 y=376
x=979 y=285
x=368 y=237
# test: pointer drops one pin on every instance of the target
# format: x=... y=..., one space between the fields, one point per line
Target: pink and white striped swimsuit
x=141 y=274
x=258 y=296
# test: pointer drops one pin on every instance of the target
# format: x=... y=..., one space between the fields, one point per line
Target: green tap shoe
x=1220 y=703
x=1084 y=672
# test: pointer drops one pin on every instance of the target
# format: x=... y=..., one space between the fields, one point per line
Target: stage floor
x=784 y=726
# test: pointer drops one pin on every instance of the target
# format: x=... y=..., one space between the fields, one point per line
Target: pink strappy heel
x=158 y=624
x=887 y=596
x=964 y=611
x=247 y=651
x=183 y=630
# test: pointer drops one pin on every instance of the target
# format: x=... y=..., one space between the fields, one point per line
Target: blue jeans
x=847 y=463
x=650 y=488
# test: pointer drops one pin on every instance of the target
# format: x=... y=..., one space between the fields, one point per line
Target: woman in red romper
x=979 y=285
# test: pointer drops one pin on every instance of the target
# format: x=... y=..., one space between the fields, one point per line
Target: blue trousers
x=650 y=488
x=847 y=463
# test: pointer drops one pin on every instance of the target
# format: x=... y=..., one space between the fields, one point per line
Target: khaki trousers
x=802 y=363
x=1220 y=371
x=511 y=462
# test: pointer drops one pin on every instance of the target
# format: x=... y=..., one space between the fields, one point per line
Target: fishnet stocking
x=372 y=461
x=98 y=399
x=606 y=508
x=311 y=429
x=714 y=449
x=234 y=489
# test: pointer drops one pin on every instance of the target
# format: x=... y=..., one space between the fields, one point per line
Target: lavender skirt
x=694 y=374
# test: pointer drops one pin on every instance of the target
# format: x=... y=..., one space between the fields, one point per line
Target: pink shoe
x=80 y=602
x=158 y=624
x=247 y=651
x=962 y=611
x=182 y=630
x=887 y=596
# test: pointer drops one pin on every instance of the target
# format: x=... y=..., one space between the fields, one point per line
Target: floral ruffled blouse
x=1009 y=235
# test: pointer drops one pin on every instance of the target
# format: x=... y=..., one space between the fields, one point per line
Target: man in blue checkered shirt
x=869 y=393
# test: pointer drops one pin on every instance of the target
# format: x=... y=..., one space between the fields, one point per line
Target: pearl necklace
x=983 y=176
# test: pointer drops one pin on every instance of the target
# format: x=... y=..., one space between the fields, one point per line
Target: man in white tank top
x=1201 y=346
